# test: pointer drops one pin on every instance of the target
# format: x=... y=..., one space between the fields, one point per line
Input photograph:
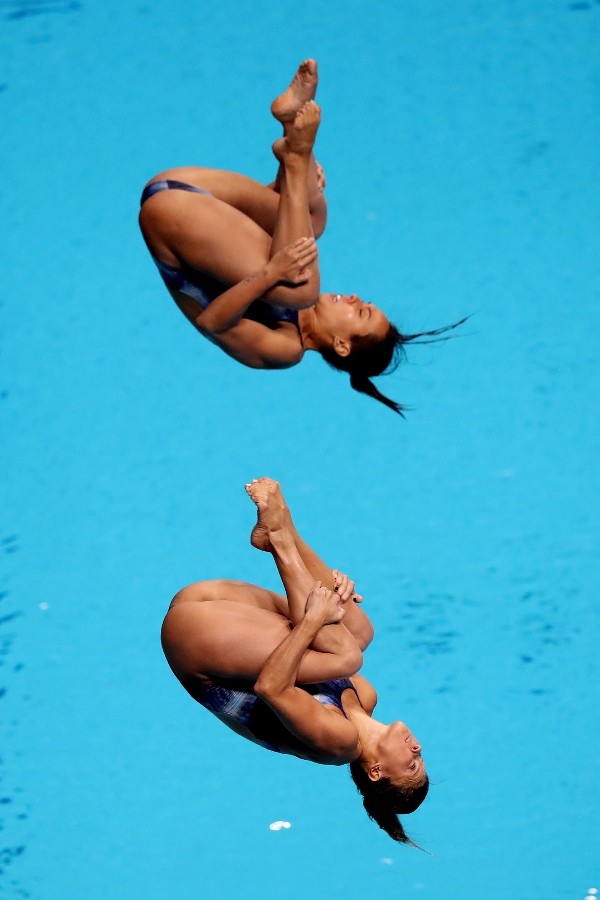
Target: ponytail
x=367 y=359
x=383 y=801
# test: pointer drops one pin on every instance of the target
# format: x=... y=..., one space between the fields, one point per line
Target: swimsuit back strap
x=168 y=184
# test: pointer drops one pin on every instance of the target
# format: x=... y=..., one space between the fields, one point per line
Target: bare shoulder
x=366 y=693
x=259 y=347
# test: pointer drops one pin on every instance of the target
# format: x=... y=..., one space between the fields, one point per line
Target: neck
x=369 y=730
x=306 y=326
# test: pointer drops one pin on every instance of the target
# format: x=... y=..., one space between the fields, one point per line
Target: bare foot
x=302 y=89
x=301 y=134
x=273 y=513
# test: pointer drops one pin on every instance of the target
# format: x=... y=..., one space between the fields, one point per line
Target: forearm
x=298 y=580
x=227 y=309
x=355 y=620
x=281 y=668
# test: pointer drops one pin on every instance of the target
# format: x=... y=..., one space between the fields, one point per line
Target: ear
x=374 y=772
x=341 y=347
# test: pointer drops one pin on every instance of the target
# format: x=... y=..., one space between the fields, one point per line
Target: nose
x=415 y=748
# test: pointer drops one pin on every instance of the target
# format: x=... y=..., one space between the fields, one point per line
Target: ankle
x=282 y=540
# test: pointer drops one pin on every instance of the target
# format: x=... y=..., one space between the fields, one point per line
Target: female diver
x=281 y=671
x=240 y=260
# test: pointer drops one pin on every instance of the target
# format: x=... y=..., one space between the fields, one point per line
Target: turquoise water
x=460 y=143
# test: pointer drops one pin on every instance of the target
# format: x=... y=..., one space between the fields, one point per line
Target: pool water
x=460 y=143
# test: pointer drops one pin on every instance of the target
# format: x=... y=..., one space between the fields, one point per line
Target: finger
x=300 y=278
x=349 y=592
x=358 y=598
x=344 y=592
x=307 y=250
x=304 y=253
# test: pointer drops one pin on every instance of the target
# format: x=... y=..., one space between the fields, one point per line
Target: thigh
x=216 y=236
x=205 y=233
x=225 y=638
x=221 y=638
x=257 y=201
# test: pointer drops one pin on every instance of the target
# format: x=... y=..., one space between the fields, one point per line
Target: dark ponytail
x=383 y=801
x=367 y=359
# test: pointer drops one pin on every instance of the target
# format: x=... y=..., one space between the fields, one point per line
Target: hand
x=344 y=588
x=323 y=605
x=321 y=183
x=291 y=264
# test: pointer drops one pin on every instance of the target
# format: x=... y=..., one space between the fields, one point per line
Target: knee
x=306 y=295
x=301 y=296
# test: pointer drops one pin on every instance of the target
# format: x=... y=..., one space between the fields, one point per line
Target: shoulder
x=321 y=728
x=259 y=347
x=367 y=694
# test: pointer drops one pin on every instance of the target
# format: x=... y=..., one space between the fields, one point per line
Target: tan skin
x=316 y=632
x=259 y=242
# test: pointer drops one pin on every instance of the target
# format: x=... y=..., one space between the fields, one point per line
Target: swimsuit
x=203 y=288
x=243 y=707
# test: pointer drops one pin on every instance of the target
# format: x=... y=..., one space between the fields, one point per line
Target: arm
x=258 y=347
x=333 y=638
x=289 y=265
x=356 y=621
x=305 y=717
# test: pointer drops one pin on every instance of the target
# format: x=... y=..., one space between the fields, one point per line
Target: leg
x=296 y=578
x=355 y=620
x=233 y=638
x=218 y=234
x=179 y=226
x=285 y=108
x=294 y=152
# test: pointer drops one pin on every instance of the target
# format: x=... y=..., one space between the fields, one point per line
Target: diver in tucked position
x=240 y=259
x=281 y=671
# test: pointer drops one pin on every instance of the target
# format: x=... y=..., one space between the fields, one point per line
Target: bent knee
x=300 y=297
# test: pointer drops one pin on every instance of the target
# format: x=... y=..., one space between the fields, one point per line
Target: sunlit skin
x=272 y=643
x=248 y=238
x=387 y=751
x=399 y=753
x=341 y=319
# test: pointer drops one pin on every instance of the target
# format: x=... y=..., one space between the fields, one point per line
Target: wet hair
x=367 y=359
x=383 y=801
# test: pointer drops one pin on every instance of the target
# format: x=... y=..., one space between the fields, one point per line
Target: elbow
x=366 y=636
x=202 y=327
x=263 y=687
x=205 y=329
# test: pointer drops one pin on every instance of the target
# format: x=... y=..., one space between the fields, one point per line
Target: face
x=346 y=317
x=399 y=753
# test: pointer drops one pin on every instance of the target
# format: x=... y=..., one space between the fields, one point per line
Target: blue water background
x=460 y=142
